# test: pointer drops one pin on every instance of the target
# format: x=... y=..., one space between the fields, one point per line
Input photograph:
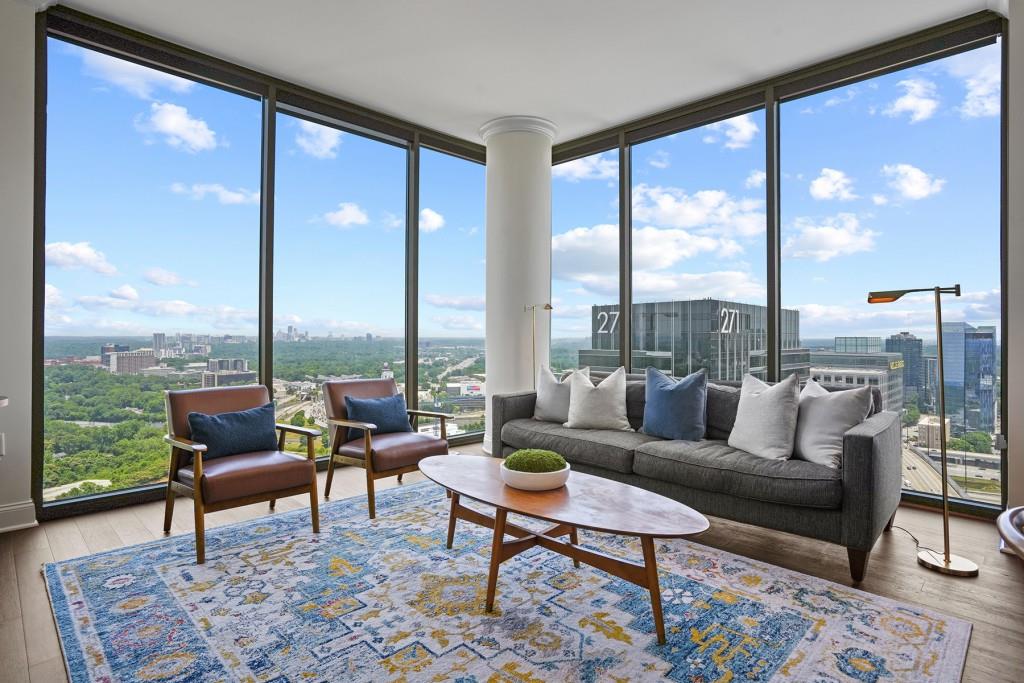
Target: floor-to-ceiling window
x=893 y=183
x=699 y=251
x=152 y=261
x=339 y=264
x=585 y=263
x=451 y=291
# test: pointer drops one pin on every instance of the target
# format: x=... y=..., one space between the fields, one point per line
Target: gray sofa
x=850 y=506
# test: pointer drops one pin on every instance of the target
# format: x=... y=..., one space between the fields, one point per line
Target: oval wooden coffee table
x=585 y=502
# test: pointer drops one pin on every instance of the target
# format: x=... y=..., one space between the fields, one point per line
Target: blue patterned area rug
x=385 y=600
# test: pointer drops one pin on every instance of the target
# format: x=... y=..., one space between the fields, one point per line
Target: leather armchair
x=232 y=480
x=381 y=455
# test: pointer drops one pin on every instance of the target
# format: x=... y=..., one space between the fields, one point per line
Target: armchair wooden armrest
x=303 y=431
x=365 y=426
x=185 y=444
x=428 y=413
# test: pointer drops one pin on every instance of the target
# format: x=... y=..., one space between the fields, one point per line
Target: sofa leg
x=858 y=563
x=888 y=525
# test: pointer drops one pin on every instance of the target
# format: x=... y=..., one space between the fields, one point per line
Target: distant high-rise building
x=727 y=338
x=227 y=378
x=159 y=344
x=928 y=434
x=969 y=363
x=131 y=362
x=857 y=345
x=885 y=370
x=913 y=366
x=107 y=349
x=369 y=336
x=227 y=364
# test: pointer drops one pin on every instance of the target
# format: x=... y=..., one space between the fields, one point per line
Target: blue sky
x=153 y=211
x=889 y=183
x=153 y=215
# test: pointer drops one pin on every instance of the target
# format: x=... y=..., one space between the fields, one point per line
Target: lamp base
x=957 y=566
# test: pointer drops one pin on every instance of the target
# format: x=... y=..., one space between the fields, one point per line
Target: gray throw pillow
x=766 y=418
x=825 y=417
x=600 y=407
x=553 y=395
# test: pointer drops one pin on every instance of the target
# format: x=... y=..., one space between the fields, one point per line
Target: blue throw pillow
x=387 y=413
x=675 y=409
x=243 y=431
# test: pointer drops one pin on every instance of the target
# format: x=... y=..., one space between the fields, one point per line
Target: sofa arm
x=504 y=409
x=872 y=478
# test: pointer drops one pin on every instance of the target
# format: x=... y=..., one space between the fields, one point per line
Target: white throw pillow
x=553 y=395
x=766 y=418
x=600 y=407
x=825 y=416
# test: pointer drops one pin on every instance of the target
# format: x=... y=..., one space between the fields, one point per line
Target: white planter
x=535 y=481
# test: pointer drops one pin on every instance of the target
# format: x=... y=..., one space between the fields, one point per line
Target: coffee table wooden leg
x=651 y=565
x=574 y=538
x=452 y=517
x=496 y=547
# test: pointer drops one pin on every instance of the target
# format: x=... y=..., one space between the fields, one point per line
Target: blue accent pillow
x=675 y=409
x=242 y=431
x=387 y=413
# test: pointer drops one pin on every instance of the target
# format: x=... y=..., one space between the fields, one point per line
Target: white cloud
x=54 y=299
x=223 y=194
x=430 y=220
x=832 y=184
x=755 y=180
x=68 y=256
x=730 y=284
x=133 y=78
x=918 y=99
x=391 y=221
x=659 y=159
x=459 y=303
x=739 y=131
x=163 y=278
x=980 y=71
x=348 y=214
x=846 y=96
x=911 y=182
x=178 y=128
x=879 y=199
x=602 y=166
x=708 y=210
x=318 y=141
x=834 y=236
x=126 y=293
x=459 y=323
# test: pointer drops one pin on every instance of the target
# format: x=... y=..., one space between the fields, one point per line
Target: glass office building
x=969 y=357
x=727 y=338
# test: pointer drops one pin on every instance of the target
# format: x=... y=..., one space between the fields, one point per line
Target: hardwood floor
x=993 y=602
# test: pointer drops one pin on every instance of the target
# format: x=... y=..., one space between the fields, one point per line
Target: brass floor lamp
x=948 y=563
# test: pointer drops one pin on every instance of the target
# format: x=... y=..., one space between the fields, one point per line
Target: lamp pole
x=942 y=423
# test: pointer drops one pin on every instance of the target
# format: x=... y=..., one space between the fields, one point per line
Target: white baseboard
x=14 y=516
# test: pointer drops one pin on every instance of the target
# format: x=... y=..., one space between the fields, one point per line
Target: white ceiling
x=586 y=65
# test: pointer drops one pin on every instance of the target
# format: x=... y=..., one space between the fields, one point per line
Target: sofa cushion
x=553 y=395
x=722 y=403
x=610 y=449
x=675 y=409
x=766 y=418
x=716 y=466
x=598 y=406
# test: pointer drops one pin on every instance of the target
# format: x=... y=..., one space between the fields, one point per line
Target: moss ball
x=535 y=460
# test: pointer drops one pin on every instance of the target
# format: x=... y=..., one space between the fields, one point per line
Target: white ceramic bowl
x=535 y=481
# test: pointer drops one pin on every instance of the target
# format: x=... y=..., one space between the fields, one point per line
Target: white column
x=518 y=251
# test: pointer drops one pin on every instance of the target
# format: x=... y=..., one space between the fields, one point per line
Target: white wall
x=1015 y=258
x=17 y=75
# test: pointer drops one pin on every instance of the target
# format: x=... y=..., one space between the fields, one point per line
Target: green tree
x=299 y=419
x=979 y=442
x=912 y=415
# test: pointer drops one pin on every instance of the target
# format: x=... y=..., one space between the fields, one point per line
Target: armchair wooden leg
x=370 y=502
x=330 y=478
x=273 y=503
x=399 y=478
x=168 y=509
x=314 y=509
x=200 y=532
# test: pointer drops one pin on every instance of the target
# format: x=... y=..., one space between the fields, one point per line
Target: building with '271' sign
x=727 y=338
